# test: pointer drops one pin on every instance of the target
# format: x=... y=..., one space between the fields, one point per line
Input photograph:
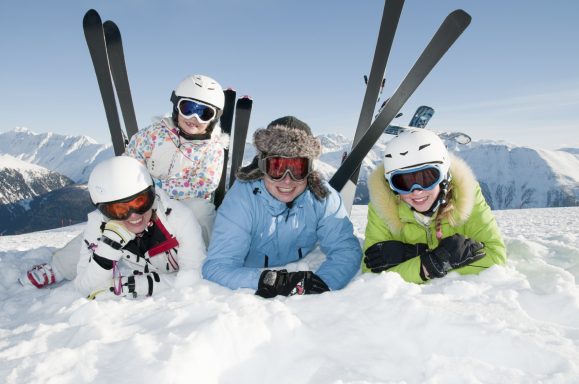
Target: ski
x=422 y=116
x=450 y=30
x=458 y=137
x=390 y=17
x=226 y=123
x=95 y=39
x=118 y=69
x=242 y=115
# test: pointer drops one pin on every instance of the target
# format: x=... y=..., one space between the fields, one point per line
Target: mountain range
x=42 y=176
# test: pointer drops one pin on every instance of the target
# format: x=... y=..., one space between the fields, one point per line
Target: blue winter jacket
x=255 y=231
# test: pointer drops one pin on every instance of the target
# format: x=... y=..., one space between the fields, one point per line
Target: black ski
x=226 y=123
x=242 y=115
x=95 y=39
x=118 y=70
x=450 y=30
x=388 y=25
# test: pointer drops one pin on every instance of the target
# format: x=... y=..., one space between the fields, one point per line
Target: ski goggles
x=425 y=177
x=189 y=108
x=276 y=167
x=122 y=209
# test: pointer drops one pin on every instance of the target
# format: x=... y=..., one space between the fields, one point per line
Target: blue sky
x=513 y=75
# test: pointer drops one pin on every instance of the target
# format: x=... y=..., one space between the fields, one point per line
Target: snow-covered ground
x=513 y=324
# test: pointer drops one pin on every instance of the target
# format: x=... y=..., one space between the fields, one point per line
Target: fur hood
x=460 y=203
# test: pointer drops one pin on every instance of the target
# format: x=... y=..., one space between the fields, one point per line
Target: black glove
x=387 y=254
x=282 y=282
x=453 y=252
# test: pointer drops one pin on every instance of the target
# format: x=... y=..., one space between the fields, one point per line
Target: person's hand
x=282 y=282
x=137 y=285
x=453 y=252
x=117 y=232
x=109 y=246
x=387 y=254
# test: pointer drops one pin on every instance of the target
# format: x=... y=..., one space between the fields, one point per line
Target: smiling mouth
x=285 y=190
x=137 y=221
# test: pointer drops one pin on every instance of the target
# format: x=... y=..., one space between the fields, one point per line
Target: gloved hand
x=115 y=237
x=387 y=254
x=282 y=282
x=117 y=232
x=453 y=252
x=137 y=285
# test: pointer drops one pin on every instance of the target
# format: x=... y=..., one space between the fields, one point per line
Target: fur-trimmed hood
x=457 y=211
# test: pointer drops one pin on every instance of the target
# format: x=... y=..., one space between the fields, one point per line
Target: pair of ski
x=106 y=51
x=366 y=135
x=242 y=111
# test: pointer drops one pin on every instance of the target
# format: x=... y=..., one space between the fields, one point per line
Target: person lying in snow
x=136 y=235
x=427 y=215
x=278 y=211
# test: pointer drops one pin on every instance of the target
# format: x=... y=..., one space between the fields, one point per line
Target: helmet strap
x=440 y=199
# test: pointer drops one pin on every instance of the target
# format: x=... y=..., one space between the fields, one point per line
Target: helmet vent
x=423 y=146
x=388 y=155
x=404 y=153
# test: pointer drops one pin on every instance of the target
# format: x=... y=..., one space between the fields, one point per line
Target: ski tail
x=422 y=116
x=95 y=39
x=450 y=30
x=242 y=115
x=226 y=123
x=118 y=68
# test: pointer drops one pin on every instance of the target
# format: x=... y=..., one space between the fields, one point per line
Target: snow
x=517 y=323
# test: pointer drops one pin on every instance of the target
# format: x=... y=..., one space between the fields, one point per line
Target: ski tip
x=461 y=17
x=246 y=97
x=110 y=25
x=91 y=16
x=229 y=89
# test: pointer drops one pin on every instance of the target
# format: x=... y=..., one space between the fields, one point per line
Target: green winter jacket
x=466 y=213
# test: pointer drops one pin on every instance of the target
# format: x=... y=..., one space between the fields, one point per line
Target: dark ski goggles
x=276 y=167
x=404 y=181
x=122 y=209
x=189 y=108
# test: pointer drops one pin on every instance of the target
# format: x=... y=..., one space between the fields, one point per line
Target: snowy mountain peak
x=72 y=156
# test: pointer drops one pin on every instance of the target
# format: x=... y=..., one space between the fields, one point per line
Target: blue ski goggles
x=189 y=108
x=425 y=177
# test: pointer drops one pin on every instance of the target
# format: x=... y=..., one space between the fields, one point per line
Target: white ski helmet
x=415 y=147
x=118 y=178
x=202 y=88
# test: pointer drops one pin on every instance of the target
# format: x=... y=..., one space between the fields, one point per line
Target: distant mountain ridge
x=511 y=177
x=72 y=156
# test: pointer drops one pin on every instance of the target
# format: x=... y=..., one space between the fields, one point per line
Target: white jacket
x=178 y=220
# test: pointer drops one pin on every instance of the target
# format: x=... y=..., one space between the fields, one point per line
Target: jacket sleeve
x=337 y=241
x=211 y=169
x=482 y=226
x=230 y=242
x=137 y=147
x=90 y=276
